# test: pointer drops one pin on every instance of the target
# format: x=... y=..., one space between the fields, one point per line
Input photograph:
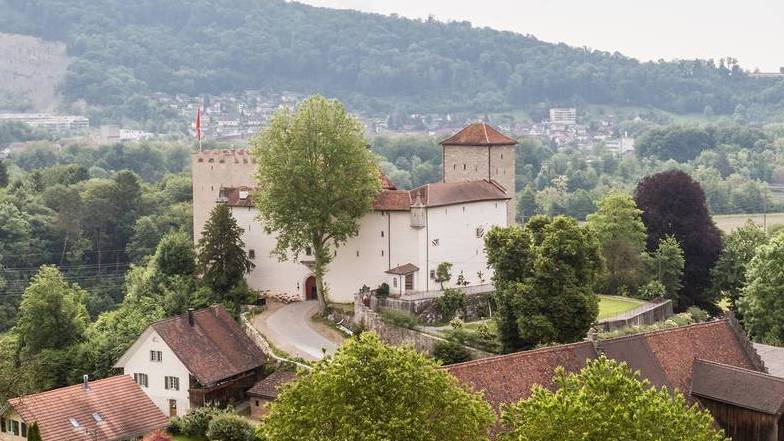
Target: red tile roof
x=664 y=357
x=125 y=410
x=402 y=270
x=441 y=193
x=214 y=348
x=509 y=378
x=479 y=134
x=393 y=200
x=268 y=387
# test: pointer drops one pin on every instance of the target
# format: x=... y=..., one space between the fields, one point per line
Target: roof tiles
x=479 y=134
x=269 y=386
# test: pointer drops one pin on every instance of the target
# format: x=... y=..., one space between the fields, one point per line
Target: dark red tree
x=672 y=203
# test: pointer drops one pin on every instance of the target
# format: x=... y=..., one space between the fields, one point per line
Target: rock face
x=30 y=72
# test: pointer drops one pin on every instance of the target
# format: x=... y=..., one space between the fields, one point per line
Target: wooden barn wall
x=743 y=424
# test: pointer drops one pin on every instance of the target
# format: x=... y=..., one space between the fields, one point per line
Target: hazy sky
x=749 y=30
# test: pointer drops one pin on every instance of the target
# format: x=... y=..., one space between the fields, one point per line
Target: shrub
x=697 y=314
x=228 y=427
x=651 y=290
x=450 y=303
x=158 y=436
x=382 y=290
x=196 y=422
x=399 y=318
x=450 y=352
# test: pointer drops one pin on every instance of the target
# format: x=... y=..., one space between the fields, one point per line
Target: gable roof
x=739 y=387
x=402 y=270
x=773 y=357
x=268 y=387
x=443 y=193
x=509 y=378
x=393 y=200
x=664 y=357
x=479 y=134
x=125 y=411
x=214 y=348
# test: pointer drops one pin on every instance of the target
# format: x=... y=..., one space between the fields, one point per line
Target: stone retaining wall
x=426 y=311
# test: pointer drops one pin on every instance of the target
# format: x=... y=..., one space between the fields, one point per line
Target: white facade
x=138 y=360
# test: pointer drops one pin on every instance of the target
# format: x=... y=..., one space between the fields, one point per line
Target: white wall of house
x=137 y=360
x=10 y=415
x=455 y=228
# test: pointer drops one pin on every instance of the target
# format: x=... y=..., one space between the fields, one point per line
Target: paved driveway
x=290 y=328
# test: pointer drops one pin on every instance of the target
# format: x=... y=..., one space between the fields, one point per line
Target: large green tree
x=544 y=275
x=372 y=392
x=318 y=179
x=606 y=400
x=760 y=303
x=621 y=233
x=52 y=314
x=737 y=250
x=666 y=267
x=222 y=260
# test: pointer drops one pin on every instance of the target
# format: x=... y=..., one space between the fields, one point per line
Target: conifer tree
x=34 y=433
x=222 y=260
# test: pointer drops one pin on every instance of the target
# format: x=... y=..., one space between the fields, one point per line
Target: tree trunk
x=318 y=271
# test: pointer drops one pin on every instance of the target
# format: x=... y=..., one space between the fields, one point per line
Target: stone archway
x=310 y=288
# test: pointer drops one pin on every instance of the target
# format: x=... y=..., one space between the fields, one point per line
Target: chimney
x=86 y=381
x=190 y=316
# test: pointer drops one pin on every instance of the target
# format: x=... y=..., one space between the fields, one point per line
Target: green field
x=610 y=306
x=729 y=222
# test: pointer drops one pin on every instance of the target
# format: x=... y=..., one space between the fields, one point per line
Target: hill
x=30 y=72
x=124 y=49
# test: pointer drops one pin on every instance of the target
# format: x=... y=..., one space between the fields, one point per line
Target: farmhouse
x=712 y=363
x=193 y=359
x=111 y=409
x=405 y=237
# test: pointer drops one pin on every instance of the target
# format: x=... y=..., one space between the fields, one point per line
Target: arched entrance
x=310 y=288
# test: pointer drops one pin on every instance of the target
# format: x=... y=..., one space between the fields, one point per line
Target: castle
x=401 y=241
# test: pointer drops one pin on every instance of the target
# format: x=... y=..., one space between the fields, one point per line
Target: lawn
x=610 y=306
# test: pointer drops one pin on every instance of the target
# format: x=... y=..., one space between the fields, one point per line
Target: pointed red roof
x=479 y=134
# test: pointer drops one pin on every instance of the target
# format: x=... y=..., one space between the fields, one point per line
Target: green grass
x=610 y=306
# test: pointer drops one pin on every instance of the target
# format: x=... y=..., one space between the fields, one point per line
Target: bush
x=450 y=352
x=158 y=436
x=230 y=428
x=399 y=318
x=697 y=314
x=196 y=422
x=450 y=303
x=383 y=290
x=651 y=290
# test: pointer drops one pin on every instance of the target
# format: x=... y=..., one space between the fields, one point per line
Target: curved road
x=290 y=328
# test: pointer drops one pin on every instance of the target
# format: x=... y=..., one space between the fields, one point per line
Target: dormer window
x=75 y=424
x=97 y=417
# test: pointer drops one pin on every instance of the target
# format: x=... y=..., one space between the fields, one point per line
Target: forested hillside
x=126 y=50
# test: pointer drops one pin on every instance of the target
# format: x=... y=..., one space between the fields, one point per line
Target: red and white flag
x=198 y=124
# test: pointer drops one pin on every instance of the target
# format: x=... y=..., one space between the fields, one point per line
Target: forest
x=124 y=51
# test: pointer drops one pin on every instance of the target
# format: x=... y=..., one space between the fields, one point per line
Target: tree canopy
x=222 y=260
x=370 y=391
x=544 y=275
x=606 y=400
x=319 y=179
x=737 y=250
x=673 y=204
x=760 y=304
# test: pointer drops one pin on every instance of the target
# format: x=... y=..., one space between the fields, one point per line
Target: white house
x=401 y=241
x=193 y=359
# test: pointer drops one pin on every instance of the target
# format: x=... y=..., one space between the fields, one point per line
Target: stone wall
x=648 y=314
x=478 y=306
x=395 y=335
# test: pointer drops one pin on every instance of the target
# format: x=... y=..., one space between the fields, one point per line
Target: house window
x=357 y=253
x=480 y=231
x=15 y=427
x=382 y=253
x=308 y=251
x=156 y=356
x=24 y=430
x=463 y=209
x=257 y=403
x=251 y=254
x=502 y=156
x=2 y=425
x=382 y=233
x=394 y=282
x=171 y=383
x=141 y=379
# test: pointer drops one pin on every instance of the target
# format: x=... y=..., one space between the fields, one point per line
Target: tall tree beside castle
x=317 y=179
x=222 y=260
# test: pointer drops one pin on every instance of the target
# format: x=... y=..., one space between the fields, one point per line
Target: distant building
x=193 y=359
x=112 y=409
x=48 y=121
x=563 y=115
x=266 y=391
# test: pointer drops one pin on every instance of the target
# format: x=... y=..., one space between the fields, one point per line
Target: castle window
x=382 y=253
x=222 y=161
x=201 y=159
x=464 y=166
x=454 y=166
x=251 y=254
x=435 y=242
x=433 y=274
x=463 y=208
x=212 y=167
x=382 y=233
x=394 y=282
x=357 y=253
x=480 y=231
x=211 y=160
x=502 y=156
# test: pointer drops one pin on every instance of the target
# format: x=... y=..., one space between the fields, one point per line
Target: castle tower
x=212 y=170
x=480 y=151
